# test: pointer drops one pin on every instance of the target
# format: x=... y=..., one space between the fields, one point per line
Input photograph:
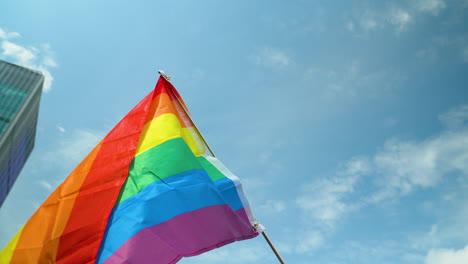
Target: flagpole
x=278 y=256
x=167 y=78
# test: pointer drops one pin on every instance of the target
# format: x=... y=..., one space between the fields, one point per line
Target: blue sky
x=347 y=121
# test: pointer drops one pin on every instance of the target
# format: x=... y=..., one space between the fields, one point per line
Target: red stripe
x=84 y=231
x=164 y=86
x=168 y=100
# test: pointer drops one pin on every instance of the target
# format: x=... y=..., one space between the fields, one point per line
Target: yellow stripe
x=166 y=127
x=7 y=253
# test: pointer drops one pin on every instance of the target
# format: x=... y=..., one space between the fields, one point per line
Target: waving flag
x=147 y=193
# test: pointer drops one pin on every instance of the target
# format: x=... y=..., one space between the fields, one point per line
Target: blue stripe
x=163 y=200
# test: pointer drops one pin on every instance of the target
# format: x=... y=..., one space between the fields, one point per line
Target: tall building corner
x=20 y=94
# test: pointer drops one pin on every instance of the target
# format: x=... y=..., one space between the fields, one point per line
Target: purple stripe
x=185 y=235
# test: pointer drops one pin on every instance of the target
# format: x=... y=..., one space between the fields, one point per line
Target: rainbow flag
x=147 y=193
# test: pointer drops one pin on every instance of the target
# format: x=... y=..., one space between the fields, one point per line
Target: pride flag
x=147 y=193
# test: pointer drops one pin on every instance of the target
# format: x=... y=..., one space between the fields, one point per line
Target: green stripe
x=212 y=171
x=169 y=158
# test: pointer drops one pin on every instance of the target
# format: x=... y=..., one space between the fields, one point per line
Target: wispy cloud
x=350 y=26
x=21 y=54
x=46 y=185
x=365 y=21
x=398 y=169
x=402 y=167
x=39 y=58
x=61 y=129
x=452 y=45
x=273 y=207
x=427 y=53
x=73 y=147
x=325 y=200
x=8 y=35
x=309 y=241
x=447 y=256
x=273 y=58
x=456 y=117
x=353 y=80
x=431 y=6
x=433 y=244
x=398 y=17
x=369 y=21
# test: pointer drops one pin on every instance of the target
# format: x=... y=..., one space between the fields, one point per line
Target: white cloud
x=40 y=59
x=273 y=58
x=357 y=167
x=48 y=58
x=324 y=200
x=447 y=256
x=406 y=165
x=369 y=24
x=430 y=238
x=403 y=166
x=61 y=129
x=49 y=62
x=309 y=241
x=8 y=35
x=22 y=55
x=430 y=6
x=48 y=78
x=400 y=19
x=398 y=169
x=411 y=246
x=365 y=21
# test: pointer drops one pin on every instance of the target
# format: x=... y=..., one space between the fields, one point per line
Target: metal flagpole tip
x=163 y=74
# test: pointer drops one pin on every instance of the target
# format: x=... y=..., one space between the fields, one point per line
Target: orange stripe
x=163 y=104
x=164 y=86
x=85 y=228
x=38 y=242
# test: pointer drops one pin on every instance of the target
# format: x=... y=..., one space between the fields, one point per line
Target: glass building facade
x=20 y=94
